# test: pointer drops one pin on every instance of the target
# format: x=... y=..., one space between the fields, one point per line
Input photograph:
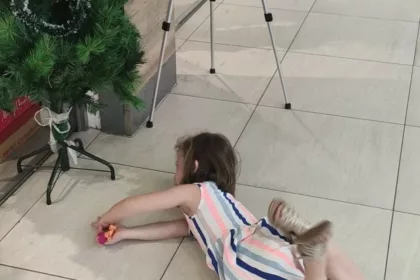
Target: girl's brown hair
x=217 y=161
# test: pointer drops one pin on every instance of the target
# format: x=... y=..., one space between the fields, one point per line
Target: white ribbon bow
x=52 y=120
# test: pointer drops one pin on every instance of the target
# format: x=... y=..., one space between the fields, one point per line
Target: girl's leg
x=152 y=232
x=312 y=245
x=339 y=266
x=315 y=269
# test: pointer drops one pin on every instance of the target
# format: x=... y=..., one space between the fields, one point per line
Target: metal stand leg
x=65 y=161
x=269 y=18
x=79 y=143
x=212 y=68
x=34 y=153
x=63 y=153
x=166 y=26
x=51 y=182
x=95 y=158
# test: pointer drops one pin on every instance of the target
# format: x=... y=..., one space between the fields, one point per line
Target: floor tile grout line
x=93 y=140
x=395 y=199
x=40 y=197
x=173 y=257
x=318 y=197
x=133 y=166
x=20 y=219
x=37 y=272
x=412 y=125
x=268 y=189
x=260 y=7
x=401 y=154
x=204 y=20
x=407 y=213
x=300 y=28
x=364 y=17
x=281 y=61
x=233 y=45
x=297 y=52
x=350 y=58
x=214 y=99
x=255 y=109
x=183 y=43
x=326 y=13
x=296 y=110
x=336 y=116
x=33 y=205
x=275 y=190
x=245 y=126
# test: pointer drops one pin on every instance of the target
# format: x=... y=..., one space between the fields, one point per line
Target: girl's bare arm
x=157 y=231
x=185 y=196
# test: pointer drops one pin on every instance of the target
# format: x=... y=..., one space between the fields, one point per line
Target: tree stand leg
x=53 y=176
x=95 y=158
x=34 y=153
x=64 y=159
x=269 y=18
x=63 y=163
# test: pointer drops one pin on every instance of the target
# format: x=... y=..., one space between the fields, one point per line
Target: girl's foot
x=313 y=243
x=285 y=218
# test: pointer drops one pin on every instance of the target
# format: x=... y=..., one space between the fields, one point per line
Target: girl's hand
x=119 y=235
x=100 y=225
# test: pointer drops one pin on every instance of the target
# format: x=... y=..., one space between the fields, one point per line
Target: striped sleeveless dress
x=236 y=244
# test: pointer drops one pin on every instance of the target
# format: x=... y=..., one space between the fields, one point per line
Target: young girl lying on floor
x=236 y=244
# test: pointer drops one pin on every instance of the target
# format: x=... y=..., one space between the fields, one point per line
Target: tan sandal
x=286 y=219
x=313 y=243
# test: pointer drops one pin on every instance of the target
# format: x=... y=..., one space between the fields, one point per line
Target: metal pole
x=166 y=26
x=269 y=18
x=212 y=68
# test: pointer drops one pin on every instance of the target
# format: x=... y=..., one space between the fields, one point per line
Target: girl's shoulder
x=207 y=184
x=191 y=198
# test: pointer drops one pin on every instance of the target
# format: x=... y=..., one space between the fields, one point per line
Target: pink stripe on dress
x=213 y=209
x=270 y=250
x=230 y=256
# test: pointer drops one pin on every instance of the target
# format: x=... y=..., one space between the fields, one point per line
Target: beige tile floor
x=349 y=151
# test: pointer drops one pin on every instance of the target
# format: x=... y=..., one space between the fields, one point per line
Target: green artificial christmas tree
x=55 y=51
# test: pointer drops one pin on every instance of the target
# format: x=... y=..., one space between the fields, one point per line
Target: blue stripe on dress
x=264 y=275
x=224 y=268
x=242 y=218
x=273 y=230
x=212 y=258
x=203 y=238
x=232 y=240
x=246 y=252
x=213 y=261
x=256 y=271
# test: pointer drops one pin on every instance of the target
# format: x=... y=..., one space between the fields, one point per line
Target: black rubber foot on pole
x=288 y=106
x=149 y=124
x=212 y=71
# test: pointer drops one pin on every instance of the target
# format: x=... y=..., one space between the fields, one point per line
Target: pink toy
x=106 y=236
